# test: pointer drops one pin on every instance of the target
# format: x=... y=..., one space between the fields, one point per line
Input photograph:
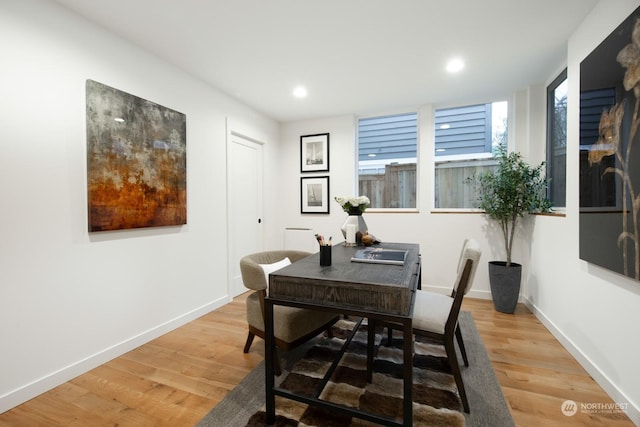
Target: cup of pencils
x=325 y=250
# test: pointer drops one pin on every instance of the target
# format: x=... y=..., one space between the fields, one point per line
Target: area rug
x=436 y=401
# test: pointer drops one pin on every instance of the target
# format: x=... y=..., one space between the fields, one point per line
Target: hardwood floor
x=177 y=378
x=535 y=372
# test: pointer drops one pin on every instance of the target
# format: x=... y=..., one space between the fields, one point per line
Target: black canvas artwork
x=610 y=151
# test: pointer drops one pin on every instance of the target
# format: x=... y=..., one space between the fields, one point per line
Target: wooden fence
x=396 y=188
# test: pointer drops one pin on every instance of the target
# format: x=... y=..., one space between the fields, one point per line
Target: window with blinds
x=463 y=130
x=465 y=138
x=387 y=159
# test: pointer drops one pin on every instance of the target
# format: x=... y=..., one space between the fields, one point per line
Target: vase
x=505 y=285
x=355 y=218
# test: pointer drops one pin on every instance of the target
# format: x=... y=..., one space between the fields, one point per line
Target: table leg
x=268 y=360
x=371 y=337
x=407 y=349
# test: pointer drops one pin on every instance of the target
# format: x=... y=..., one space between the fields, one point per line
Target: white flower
x=362 y=200
x=348 y=203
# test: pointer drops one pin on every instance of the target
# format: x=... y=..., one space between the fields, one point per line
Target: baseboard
x=478 y=294
x=609 y=387
x=54 y=379
x=447 y=291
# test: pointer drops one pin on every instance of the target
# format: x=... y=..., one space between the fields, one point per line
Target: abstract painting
x=610 y=151
x=136 y=161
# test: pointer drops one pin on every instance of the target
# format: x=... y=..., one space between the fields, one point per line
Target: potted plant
x=506 y=195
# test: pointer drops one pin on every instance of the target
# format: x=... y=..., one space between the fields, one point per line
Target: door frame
x=231 y=136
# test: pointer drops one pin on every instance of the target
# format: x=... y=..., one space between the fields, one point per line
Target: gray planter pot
x=505 y=285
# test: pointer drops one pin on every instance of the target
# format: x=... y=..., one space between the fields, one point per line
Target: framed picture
x=136 y=161
x=314 y=153
x=314 y=195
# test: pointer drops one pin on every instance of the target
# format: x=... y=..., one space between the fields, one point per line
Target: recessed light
x=455 y=65
x=300 y=92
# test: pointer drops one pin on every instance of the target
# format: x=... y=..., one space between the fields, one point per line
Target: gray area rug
x=487 y=404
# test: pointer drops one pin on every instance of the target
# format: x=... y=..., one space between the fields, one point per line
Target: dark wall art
x=136 y=161
x=314 y=153
x=610 y=151
x=314 y=195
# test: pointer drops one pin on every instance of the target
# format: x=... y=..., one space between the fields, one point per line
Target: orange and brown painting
x=136 y=161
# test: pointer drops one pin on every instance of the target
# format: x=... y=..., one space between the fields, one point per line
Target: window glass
x=387 y=158
x=557 y=140
x=465 y=140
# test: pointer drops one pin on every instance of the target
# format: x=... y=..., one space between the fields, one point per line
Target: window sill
x=456 y=211
x=392 y=210
x=558 y=213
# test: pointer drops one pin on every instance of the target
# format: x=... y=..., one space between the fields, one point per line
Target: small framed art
x=314 y=153
x=314 y=195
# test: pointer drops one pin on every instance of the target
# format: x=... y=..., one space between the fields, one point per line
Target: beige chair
x=463 y=350
x=436 y=315
x=292 y=326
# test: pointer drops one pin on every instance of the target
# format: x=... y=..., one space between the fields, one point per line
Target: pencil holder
x=325 y=256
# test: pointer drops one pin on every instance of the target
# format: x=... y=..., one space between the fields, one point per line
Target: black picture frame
x=314 y=195
x=314 y=153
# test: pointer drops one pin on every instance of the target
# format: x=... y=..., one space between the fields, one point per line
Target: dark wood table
x=375 y=291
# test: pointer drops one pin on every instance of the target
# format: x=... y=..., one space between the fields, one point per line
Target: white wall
x=70 y=300
x=591 y=310
x=341 y=181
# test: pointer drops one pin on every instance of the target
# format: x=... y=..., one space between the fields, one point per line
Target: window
x=465 y=139
x=387 y=158
x=557 y=140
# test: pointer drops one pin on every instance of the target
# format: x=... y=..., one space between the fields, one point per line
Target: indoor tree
x=512 y=190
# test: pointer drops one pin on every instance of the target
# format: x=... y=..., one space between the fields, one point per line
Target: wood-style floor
x=176 y=379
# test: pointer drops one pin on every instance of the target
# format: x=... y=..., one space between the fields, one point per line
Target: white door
x=244 y=189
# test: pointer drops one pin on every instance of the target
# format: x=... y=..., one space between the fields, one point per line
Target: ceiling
x=353 y=56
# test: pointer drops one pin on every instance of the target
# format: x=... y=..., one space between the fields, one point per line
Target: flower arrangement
x=353 y=204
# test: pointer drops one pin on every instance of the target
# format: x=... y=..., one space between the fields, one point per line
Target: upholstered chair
x=292 y=326
x=435 y=315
